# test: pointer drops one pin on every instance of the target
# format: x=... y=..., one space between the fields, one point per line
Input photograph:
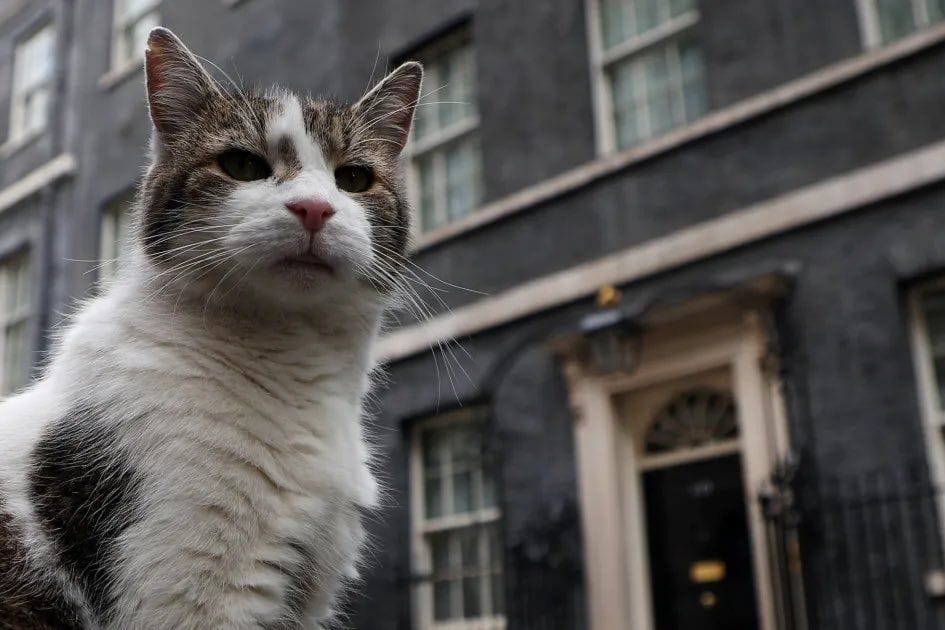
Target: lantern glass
x=615 y=349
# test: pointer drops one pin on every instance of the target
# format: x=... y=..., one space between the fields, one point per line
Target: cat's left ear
x=387 y=110
x=178 y=86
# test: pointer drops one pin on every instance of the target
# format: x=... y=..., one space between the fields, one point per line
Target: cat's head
x=273 y=195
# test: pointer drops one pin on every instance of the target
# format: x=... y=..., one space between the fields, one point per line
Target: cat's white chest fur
x=252 y=465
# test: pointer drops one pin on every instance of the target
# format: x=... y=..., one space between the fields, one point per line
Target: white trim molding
x=714 y=122
x=824 y=200
x=63 y=165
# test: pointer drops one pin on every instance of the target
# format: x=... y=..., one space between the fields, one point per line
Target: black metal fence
x=873 y=554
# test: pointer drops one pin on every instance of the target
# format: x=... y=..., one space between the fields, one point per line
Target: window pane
x=472 y=598
x=614 y=18
x=426 y=176
x=441 y=601
x=435 y=451
x=36 y=59
x=693 y=76
x=466 y=446
x=33 y=68
x=626 y=104
x=35 y=110
x=469 y=549
x=433 y=492
x=459 y=92
x=623 y=20
x=661 y=96
x=17 y=287
x=647 y=15
x=462 y=493
x=427 y=112
x=451 y=78
x=657 y=92
x=495 y=548
x=21 y=300
x=679 y=7
x=113 y=235
x=896 y=18
x=488 y=489
x=498 y=594
x=15 y=359
x=440 y=552
x=462 y=178
x=936 y=10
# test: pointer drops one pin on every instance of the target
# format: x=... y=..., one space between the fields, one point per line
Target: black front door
x=700 y=552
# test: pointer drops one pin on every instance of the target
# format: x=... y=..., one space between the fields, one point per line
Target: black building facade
x=752 y=193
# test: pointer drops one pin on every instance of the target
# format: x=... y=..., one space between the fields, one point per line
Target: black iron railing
x=873 y=554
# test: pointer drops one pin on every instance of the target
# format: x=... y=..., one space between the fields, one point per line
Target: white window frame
x=870 y=29
x=121 y=58
x=422 y=528
x=417 y=149
x=601 y=60
x=18 y=132
x=932 y=409
x=18 y=316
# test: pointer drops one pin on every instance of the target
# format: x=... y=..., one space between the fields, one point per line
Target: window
x=883 y=21
x=14 y=318
x=134 y=19
x=928 y=345
x=651 y=76
x=32 y=84
x=444 y=149
x=929 y=329
x=455 y=520
x=116 y=222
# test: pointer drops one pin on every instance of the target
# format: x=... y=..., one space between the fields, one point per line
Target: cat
x=193 y=456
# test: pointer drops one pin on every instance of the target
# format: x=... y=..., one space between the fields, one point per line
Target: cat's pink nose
x=311 y=212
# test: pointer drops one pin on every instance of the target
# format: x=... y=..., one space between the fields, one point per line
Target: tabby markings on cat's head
x=286 y=196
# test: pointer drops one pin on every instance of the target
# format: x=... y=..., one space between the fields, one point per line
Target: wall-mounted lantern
x=612 y=341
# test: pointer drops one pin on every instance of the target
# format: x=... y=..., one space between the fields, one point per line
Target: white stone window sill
x=13 y=145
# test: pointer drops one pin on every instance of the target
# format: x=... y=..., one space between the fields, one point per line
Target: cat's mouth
x=305 y=263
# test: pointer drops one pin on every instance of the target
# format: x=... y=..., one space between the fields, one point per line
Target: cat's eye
x=243 y=165
x=353 y=179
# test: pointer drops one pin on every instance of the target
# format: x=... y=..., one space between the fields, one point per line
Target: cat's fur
x=193 y=456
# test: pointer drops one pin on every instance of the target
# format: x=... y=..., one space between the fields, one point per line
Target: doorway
x=671 y=458
x=686 y=438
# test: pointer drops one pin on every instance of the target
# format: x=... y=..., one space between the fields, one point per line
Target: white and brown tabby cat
x=193 y=456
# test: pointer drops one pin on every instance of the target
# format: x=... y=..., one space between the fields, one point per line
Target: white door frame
x=728 y=337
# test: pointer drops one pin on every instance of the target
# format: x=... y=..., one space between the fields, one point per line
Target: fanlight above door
x=693 y=418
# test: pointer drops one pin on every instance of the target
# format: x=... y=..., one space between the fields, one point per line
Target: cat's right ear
x=178 y=86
